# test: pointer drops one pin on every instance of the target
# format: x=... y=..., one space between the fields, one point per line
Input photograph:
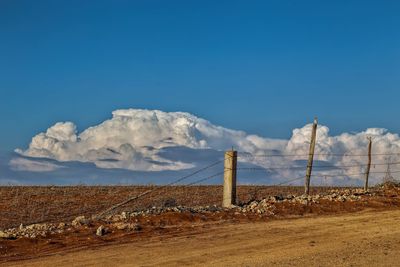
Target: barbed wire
x=356 y=165
x=326 y=175
x=247 y=154
x=158 y=188
x=247 y=193
x=272 y=168
x=350 y=174
x=194 y=173
x=205 y=179
x=333 y=167
x=290 y=181
x=209 y=177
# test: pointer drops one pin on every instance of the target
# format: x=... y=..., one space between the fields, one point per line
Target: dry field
x=34 y=204
x=351 y=230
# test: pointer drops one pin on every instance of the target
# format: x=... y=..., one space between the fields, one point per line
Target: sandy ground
x=368 y=238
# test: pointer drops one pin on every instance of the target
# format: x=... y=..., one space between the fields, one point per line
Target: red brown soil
x=34 y=204
x=65 y=203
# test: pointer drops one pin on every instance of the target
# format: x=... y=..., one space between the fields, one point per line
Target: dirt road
x=369 y=238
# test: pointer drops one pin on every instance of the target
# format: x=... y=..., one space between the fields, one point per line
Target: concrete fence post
x=230 y=179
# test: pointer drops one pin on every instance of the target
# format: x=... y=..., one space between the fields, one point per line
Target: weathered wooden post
x=230 y=179
x=311 y=157
x=369 y=163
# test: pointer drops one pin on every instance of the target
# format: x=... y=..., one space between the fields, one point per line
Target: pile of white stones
x=32 y=231
x=161 y=210
x=267 y=205
x=45 y=229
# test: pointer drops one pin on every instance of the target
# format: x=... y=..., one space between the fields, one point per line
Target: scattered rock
x=30 y=231
x=4 y=235
x=121 y=221
x=267 y=205
x=80 y=221
x=127 y=226
x=101 y=231
x=124 y=215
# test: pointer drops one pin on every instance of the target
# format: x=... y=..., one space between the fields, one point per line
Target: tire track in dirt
x=357 y=239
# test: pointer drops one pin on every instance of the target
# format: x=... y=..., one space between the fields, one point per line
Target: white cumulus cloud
x=133 y=138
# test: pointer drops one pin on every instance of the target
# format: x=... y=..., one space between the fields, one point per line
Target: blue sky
x=264 y=67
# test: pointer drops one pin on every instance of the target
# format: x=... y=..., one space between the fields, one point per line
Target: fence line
x=353 y=174
x=221 y=173
x=249 y=155
x=159 y=188
x=320 y=170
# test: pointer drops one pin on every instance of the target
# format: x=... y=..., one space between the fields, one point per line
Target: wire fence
x=203 y=186
x=322 y=170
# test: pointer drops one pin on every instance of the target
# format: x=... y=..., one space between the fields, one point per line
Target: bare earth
x=367 y=238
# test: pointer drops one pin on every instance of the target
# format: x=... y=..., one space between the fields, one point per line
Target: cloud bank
x=24 y=164
x=135 y=139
